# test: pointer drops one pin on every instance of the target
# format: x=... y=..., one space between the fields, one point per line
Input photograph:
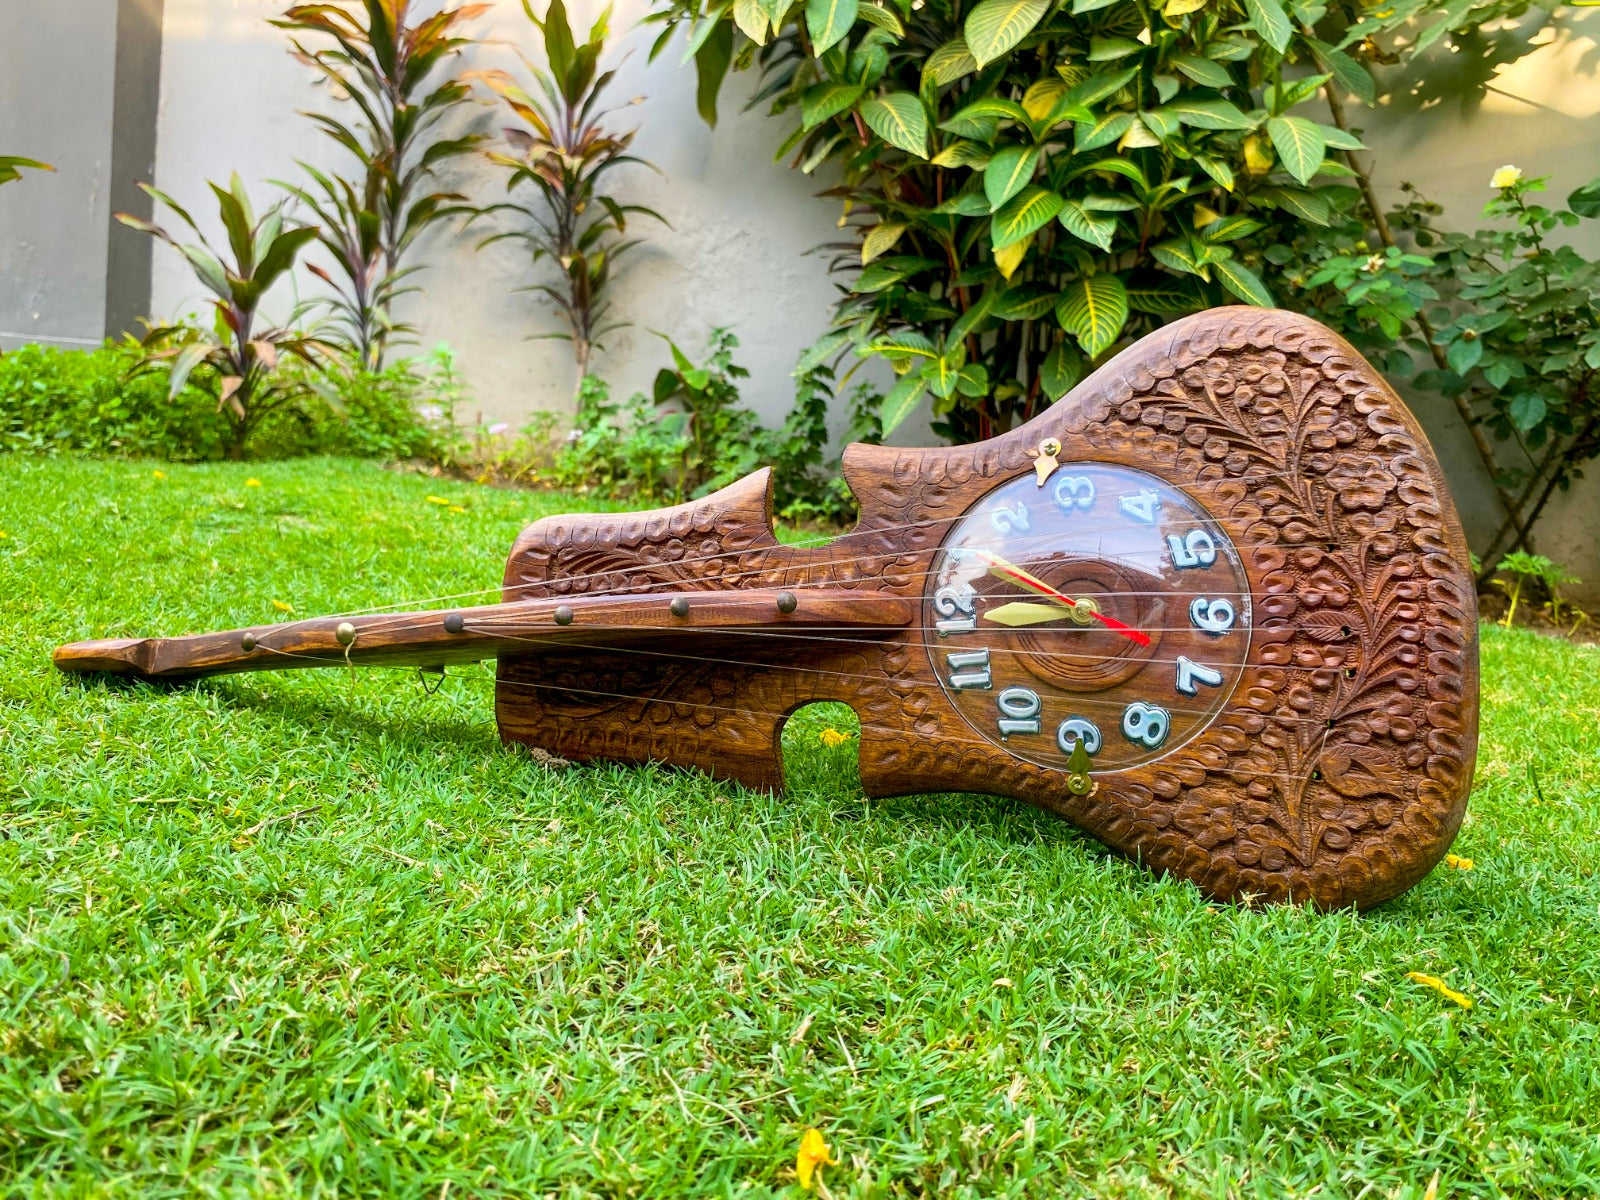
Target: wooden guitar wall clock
x=1213 y=607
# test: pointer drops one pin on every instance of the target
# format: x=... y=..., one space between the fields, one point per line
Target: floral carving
x=1337 y=774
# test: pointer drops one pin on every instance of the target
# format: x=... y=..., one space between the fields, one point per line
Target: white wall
x=742 y=225
x=56 y=81
x=735 y=255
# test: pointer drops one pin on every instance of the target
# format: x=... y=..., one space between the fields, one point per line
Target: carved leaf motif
x=1357 y=775
x=1328 y=626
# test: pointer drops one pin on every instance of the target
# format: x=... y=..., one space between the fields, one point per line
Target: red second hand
x=1034 y=584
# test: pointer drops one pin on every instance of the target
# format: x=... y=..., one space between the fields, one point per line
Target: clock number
x=1146 y=724
x=1195 y=549
x=1211 y=616
x=1191 y=673
x=1075 y=729
x=1019 y=711
x=1141 y=507
x=1007 y=521
x=954 y=606
x=1073 y=491
x=969 y=669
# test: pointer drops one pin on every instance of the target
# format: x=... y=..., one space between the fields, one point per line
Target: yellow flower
x=437 y=500
x=1505 y=176
x=812 y=1157
x=252 y=483
x=456 y=508
x=1459 y=863
x=158 y=474
x=1440 y=986
x=832 y=737
x=282 y=607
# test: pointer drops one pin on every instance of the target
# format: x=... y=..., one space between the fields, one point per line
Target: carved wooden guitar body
x=1228 y=627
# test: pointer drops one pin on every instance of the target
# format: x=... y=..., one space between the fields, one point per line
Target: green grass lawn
x=319 y=934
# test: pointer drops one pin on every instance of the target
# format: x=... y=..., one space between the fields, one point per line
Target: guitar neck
x=438 y=638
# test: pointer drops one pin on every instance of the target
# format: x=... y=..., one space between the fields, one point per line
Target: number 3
x=1145 y=724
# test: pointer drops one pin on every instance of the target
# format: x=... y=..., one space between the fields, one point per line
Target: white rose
x=1505 y=176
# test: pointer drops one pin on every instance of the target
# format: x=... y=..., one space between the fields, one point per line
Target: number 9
x=1145 y=724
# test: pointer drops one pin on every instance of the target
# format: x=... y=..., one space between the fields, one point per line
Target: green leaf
x=883 y=18
x=905 y=343
x=711 y=68
x=1177 y=254
x=1023 y=215
x=1093 y=309
x=1340 y=139
x=996 y=26
x=1100 y=85
x=880 y=240
x=1242 y=282
x=1008 y=172
x=751 y=17
x=1208 y=114
x=1103 y=132
x=962 y=153
x=1299 y=144
x=1165 y=301
x=901 y=402
x=1061 y=370
x=900 y=120
x=190 y=357
x=1109 y=49
x=1269 y=20
x=972 y=318
x=1307 y=205
x=820 y=351
x=1586 y=200
x=889 y=271
x=1202 y=70
x=1088 y=225
x=949 y=62
x=1527 y=410
x=1347 y=72
x=1024 y=302
x=1464 y=354
x=827 y=100
x=1231 y=228
x=828 y=21
x=980 y=118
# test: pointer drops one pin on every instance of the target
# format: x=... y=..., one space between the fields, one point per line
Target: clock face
x=1101 y=605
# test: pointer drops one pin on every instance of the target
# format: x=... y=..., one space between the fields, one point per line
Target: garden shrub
x=692 y=435
x=84 y=401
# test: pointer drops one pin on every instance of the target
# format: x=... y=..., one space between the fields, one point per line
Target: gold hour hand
x=1020 y=613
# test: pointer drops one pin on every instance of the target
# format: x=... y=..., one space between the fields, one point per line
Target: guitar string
x=484 y=681
x=693 y=560
x=688 y=585
x=856 y=643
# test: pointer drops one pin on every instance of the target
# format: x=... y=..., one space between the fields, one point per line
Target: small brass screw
x=679 y=607
x=563 y=615
x=346 y=634
x=787 y=602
